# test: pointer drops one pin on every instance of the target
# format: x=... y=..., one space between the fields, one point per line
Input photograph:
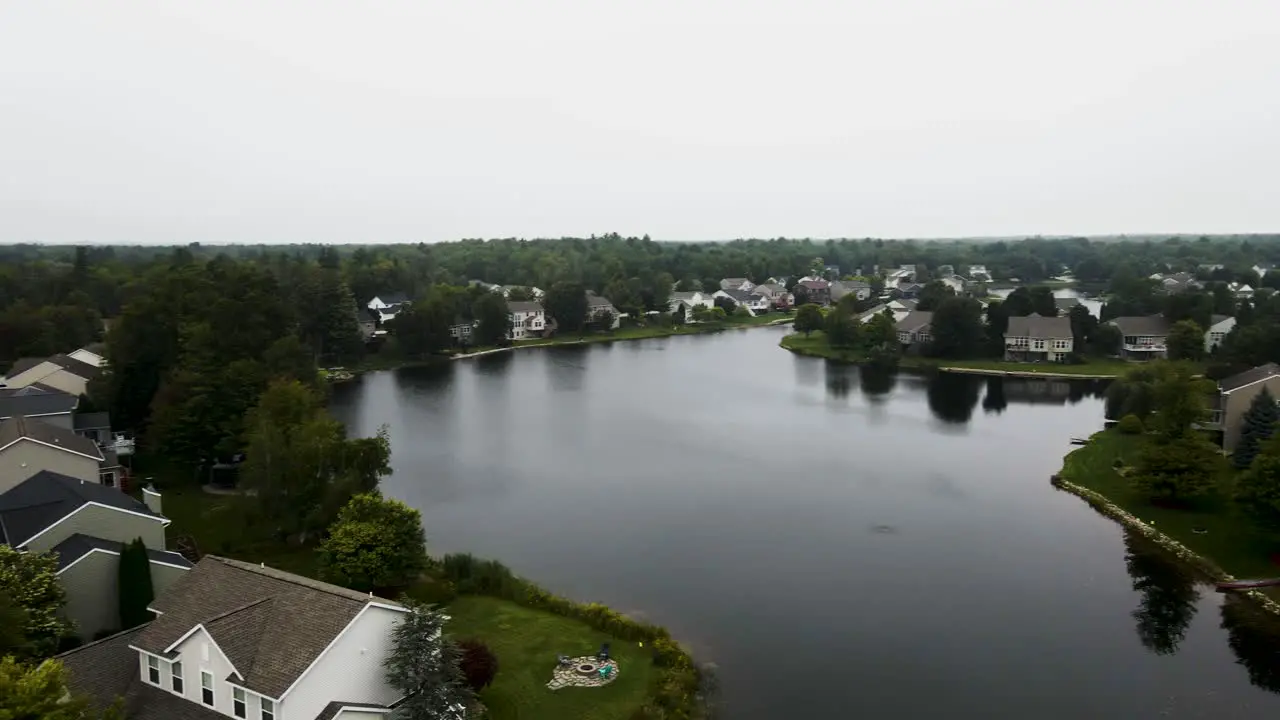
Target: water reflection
x=877 y=383
x=994 y=401
x=1254 y=637
x=839 y=380
x=952 y=396
x=1168 y=591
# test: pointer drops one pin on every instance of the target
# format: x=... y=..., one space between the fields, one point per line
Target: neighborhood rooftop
x=46 y=497
x=15 y=402
x=1039 y=326
x=1248 y=377
x=79 y=545
x=17 y=428
x=1154 y=325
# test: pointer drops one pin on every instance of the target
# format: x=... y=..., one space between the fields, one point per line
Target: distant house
x=755 y=304
x=857 y=288
x=910 y=290
x=91 y=354
x=737 y=284
x=817 y=291
x=61 y=372
x=686 y=302
x=506 y=290
x=954 y=282
x=1145 y=337
x=241 y=640
x=1038 y=338
x=1219 y=327
x=29 y=446
x=776 y=294
x=1241 y=291
x=528 y=319
x=902 y=275
x=598 y=305
x=39 y=402
x=462 y=329
x=1173 y=283
x=869 y=314
x=388 y=305
x=979 y=273
x=914 y=329
x=1235 y=395
x=369 y=322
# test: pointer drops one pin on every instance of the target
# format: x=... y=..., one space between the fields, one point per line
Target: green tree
x=12 y=621
x=1018 y=303
x=426 y=668
x=375 y=544
x=1083 y=325
x=1042 y=302
x=134 y=586
x=1105 y=340
x=1179 y=396
x=493 y=318
x=39 y=692
x=842 y=329
x=30 y=580
x=881 y=332
x=1178 y=469
x=567 y=304
x=1256 y=427
x=1186 y=341
x=808 y=318
x=423 y=328
x=1258 y=489
x=956 y=329
x=932 y=295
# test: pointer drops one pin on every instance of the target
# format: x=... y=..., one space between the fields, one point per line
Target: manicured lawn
x=1230 y=542
x=527 y=642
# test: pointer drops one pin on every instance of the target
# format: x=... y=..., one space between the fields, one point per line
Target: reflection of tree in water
x=994 y=401
x=1169 y=594
x=952 y=396
x=876 y=382
x=838 y=382
x=1254 y=637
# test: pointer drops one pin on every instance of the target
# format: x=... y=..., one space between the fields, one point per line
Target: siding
x=199 y=652
x=164 y=576
x=25 y=458
x=92 y=594
x=351 y=670
x=105 y=523
x=1237 y=404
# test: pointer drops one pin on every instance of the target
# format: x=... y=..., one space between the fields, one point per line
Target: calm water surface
x=838 y=544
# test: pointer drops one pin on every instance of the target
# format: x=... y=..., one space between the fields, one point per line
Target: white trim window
x=206 y=688
x=175 y=676
x=266 y=709
x=238 y=706
x=153 y=670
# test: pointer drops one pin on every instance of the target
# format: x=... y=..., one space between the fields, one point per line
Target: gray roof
x=46 y=497
x=739 y=295
x=107 y=669
x=22 y=365
x=1038 y=326
x=15 y=428
x=594 y=300
x=272 y=625
x=1066 y=303
x=915 y=320
x=393 y=298
x=79 y=545
x=31 y=401
x=330 y=711
x=1248 y=377
x=526 y=306
x=1215 y=318
x=771 y=287
x=1153 y=325
x=732 y=281
x=74 y=366
x=92 y=421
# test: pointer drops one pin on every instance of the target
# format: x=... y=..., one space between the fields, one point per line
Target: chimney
x=151 y=498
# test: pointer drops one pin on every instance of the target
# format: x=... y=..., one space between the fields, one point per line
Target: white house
x=691 y=299
x=238 y=640
x=528 y=319
x=388 y=305
x=1219 y=327
x=598 y=305
x=755 y=304
x=1241 y=290
x=742 y=284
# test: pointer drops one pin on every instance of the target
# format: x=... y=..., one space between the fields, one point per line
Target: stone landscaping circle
x=583 y=672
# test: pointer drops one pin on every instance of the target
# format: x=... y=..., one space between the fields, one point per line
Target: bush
x=479 y=664
x=1130 y=425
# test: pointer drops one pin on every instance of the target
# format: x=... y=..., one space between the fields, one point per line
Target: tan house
x=28 y=446
x=61 y=372
x=1036 y=338
x=914 y=329
x=1144 y=337
x=85 y=525
x=1235 y=395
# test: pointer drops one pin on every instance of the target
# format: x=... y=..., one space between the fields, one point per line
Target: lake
x=839 y=544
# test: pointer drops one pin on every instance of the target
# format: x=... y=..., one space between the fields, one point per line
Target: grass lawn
x=1230 y=542
x=527 y=642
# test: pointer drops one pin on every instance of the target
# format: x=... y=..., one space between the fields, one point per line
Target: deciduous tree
x=375 y=544
x=39 y=692
x=1179 y=468
x=1186 y=341
x=30 y=580
x=808 y=318
x=932 y=295
x=493 y=317
x=956 y=329
x=567 y=303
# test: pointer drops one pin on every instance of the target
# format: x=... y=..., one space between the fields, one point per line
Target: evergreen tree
x=426 y=668
x=135 y=589
x=1257 y=425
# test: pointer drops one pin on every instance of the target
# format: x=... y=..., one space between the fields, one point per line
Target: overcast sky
x=281 y=121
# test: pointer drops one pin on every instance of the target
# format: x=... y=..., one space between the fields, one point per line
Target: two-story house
x=41 y=403
x=857 y=288
x=388 y=305
x=742 y=284
x=528 y=319
x=60 y=372
x=755 y=304
x=1233 y=398
x=1038 y=338
x=86 y=524
x=776 y=294
x=598 y=305
x=238 y=640
x=914 y=329
x=817 y=292
x=1144 y=337
x=1219 y=327
x=28 y=446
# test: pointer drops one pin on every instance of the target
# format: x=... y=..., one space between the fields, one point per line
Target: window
x=107 y=479
x=153 y=670
x=175 y=677
x=237 y=702
x=268 y=709
x=206 y=688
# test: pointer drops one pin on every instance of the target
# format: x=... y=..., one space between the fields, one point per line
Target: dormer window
x=175 y=677
x=238 y=707
x=268 y=709
x=206 y=688
x=153 y=670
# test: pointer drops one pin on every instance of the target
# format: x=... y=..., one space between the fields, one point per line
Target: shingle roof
x=22 y=365
x=594 y=300
x=1154 y=325
x=1216 y=318
x=31 y=401
x=74 y=366
x=915 y=320
x=294 y=621
x=92 y=421
x=739 y=295
x=525 y=306
x=46 y=497
x=1038 y=326
x=78 y=545
x=771 y=287
x=330 y=711
x=16 y=428
x=1248 y=377
x=816 y=284
x=393 y=298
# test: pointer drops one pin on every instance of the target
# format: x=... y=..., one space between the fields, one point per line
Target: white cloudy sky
x=278 y=120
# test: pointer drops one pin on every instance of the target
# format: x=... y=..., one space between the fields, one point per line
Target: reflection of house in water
x=1039 y=391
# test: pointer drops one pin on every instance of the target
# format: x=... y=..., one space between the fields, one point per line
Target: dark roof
x=92 y=421
x=393 y=298
x=46 y=497
x=525 y=306
x=1038 y=326
x=1154 y=325
x=271 y=624
x=74 y=366
x=18 y=427
x=331 y=710
x=915 y=320
x=1216 y=318
x=594 y=300
x=22 y=365
x=31 y=401
x=1248 y=377
x=79 y=545
x=739 y=295
x=816 y=284
x=107 y=669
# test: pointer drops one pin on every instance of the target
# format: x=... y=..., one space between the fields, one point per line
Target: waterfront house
x=28 y=446
x=1145 y=337
x=460 y=329
x=857 y=288
x=1219 y=327
x=39 y=402
x=60 y=372
x=870 y=313
x=755 y=304
x=769 y=290
x=817 y=291
x=914 y=329
x=528 y=319
x=742 y=284
x=368 y=320
x=1036 y=338
x=388 y=305
x=1235 y=395
x=239 y=640
x=598 y=305
x=86 y=525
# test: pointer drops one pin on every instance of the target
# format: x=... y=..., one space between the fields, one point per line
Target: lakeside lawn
x=1230 y=542
x=527 y=643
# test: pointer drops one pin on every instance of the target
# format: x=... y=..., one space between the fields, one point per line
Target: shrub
x=1130 y=425
x=479 y=664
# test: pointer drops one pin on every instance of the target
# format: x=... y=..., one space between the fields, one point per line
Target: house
x=979 y=273
x=91 y=354
x=742 y=284
x=461 y=329
x=1173 y=283
x=239 y=640
x=1144 y=337
x=61 y=372
x=910 y=290
x=692 y=299
x=388 y=305
x=506 y=290
x=776 y=294
x=528 y=319
x=903 y=275
x=755 y=304
x=857 y=288
x=598 y=305
x=956 y=283
x=913 y=330
x=1241 y=291
x=95 y=425
x=817 y=291
x=1235 y=395
x=1219 y=327
x=39 y=402
x=86 y=525
x=1038 y=338
x=369 y=321
x=869 y=314
x=28 y=446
